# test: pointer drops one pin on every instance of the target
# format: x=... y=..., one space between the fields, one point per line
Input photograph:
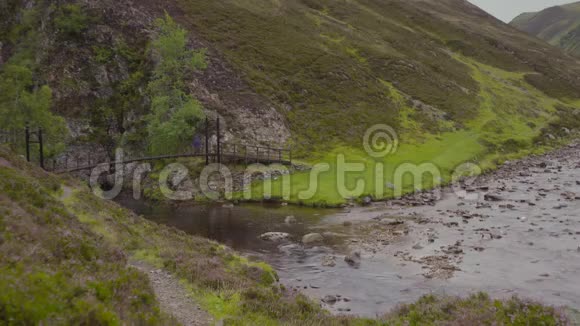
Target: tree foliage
x=23 y=98
x=71 y=20
x=175 y=114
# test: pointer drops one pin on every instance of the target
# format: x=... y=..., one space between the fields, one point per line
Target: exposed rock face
x=88 y=71
x=248 y=117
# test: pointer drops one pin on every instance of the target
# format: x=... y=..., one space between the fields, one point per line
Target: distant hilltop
x=559 y=26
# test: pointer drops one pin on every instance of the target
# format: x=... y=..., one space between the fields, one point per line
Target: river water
x=524 y=243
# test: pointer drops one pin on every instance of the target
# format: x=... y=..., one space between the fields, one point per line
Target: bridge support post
x=219 y=151
x=27 y=136
x=206 y=141
x=40 y=148
x=235 y=154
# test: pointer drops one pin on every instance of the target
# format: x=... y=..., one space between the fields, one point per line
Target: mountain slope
x=328 y=61
x=454 y=82
x=559 y=26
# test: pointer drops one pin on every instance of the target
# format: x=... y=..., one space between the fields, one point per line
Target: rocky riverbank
x=513 y=231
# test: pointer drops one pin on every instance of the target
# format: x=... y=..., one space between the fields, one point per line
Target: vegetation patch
x=478 y=309
x=53 y=268
x=175 y=114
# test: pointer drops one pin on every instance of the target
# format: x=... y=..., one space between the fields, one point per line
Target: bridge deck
x=225 y=158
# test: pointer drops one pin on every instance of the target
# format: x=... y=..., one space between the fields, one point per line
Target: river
x=521 y=239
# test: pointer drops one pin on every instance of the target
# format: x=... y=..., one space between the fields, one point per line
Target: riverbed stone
x=493 y=197
x=330 y=299
x=367 y=201
x=329 y=261
x=353 y=259
x=418 y=246
x=292 y=249
x=275 y=236
x=312 y=238
x=335 y=235
x=290 y=220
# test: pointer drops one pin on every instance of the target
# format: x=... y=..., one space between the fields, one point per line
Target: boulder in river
x=290 y=220
x=330 y=299
x=367 y=201
x=334 y=235
x=312 y=238
x=329 y=261
x=493 y=197
x=418 y=246
x=275 y=236
x=292 y=250
x=353 y=259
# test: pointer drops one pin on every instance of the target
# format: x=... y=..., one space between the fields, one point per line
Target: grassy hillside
x=559 y=26
x=455 y=83
x=328 y=63
x=329 y=68
x=53 y=268
x=514 y=119
x=64 y=260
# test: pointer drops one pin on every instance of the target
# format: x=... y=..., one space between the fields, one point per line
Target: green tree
x=175 y=114
x=23 y=98
x=71 y=20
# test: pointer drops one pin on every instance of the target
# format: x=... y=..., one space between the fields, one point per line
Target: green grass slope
x=53 y=268
x=559 y=26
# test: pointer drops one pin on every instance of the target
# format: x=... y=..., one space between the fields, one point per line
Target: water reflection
x=237 y=227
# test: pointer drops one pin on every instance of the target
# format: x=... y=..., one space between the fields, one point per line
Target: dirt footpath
x=173 y=298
